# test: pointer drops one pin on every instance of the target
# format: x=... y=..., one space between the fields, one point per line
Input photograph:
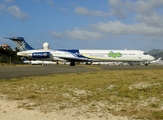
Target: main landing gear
x=72 y=63
x=146 y=64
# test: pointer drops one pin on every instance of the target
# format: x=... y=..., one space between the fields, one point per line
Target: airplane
x=156 y=61
x=37 y=62
x=76 y=55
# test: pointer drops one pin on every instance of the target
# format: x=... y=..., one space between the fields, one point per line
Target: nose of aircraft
x=151 y=58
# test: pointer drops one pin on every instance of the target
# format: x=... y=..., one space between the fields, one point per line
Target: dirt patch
x=10 y=110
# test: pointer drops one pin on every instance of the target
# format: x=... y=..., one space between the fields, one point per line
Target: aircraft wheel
x=146 y=64
x=72 y=63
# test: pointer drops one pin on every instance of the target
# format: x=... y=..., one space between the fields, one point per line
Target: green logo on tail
x=114 y=55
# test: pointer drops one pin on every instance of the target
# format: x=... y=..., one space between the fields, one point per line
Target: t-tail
x=21 y=44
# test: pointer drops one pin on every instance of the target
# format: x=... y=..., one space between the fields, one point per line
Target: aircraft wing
x=77 y=59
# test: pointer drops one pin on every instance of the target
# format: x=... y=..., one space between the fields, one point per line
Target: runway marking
x=97 y=68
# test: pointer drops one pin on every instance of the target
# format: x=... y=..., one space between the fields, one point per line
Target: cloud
x=83 y=35
x=143 y=17
x=2 y=6
x=119 y=8
x=146 y=15
x=115 y=3
x=146 y=7
x=85 y=11
x=118 y=27
x=77 y=34
x=50 y=2
x=118 y=12
x=154 y=19
x=16 y=12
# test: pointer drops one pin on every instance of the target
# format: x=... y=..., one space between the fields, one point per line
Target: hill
x=156 y=53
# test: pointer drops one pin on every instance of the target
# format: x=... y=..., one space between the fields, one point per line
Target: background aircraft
x=37 y=62
x=75 y=55
x=158 y=61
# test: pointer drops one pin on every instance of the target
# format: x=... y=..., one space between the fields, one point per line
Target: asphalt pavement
x=7 y=72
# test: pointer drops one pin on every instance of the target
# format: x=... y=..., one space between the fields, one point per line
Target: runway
x=37 y=70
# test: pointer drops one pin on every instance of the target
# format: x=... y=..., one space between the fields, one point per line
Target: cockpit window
x=145 y=53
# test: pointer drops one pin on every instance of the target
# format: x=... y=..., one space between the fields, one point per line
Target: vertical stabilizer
x=21 y=44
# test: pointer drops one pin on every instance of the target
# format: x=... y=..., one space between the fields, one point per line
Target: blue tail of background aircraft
x=21 y=44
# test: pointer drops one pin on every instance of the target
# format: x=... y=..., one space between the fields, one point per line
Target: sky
x=84 y=24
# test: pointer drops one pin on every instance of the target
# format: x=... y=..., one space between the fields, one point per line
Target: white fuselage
x=92 y=55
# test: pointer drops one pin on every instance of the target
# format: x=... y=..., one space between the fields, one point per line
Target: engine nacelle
x=41 y=55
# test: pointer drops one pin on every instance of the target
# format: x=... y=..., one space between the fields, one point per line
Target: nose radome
x=152 y=58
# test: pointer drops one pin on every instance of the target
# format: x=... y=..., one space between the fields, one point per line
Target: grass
x=136 y=93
